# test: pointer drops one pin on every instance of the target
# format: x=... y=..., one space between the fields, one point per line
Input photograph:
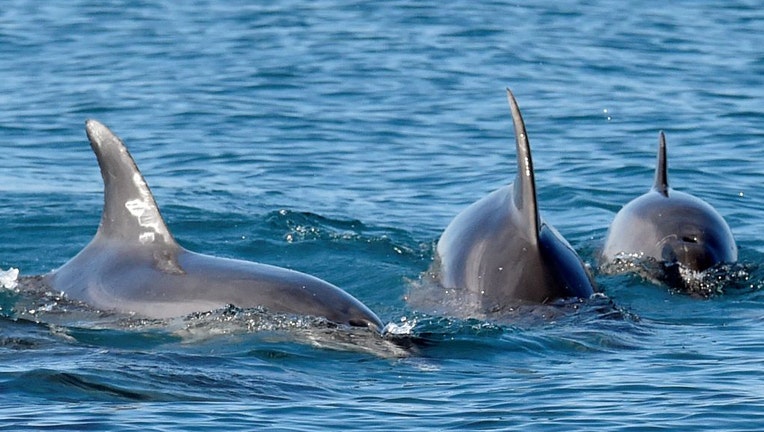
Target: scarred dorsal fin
x=130 y=213
x=524 y=184
x=661 y=167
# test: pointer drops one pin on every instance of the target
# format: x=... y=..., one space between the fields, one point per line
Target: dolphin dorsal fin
x=661 y=167
x=130 y=214
x=524 y=184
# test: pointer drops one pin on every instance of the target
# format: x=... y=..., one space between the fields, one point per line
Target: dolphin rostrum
x=499 y=252
x=671 y=228
x=133 y=264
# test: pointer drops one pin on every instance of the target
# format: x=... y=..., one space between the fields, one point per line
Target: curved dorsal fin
x=130 y=213
x=524 y=184
x=661 y=167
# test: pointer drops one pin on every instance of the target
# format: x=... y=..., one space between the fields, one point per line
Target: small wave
x=427 y=295
x=713 y=281
x=22 y=335
x=35 y=301
x=80 y=322
x=314 y=331
x=596 y=324
x=75 y=386
x=306 y=226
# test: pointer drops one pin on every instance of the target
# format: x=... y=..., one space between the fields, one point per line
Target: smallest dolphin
x=674 y=229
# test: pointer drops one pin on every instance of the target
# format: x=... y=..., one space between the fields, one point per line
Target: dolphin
x=134 y=265
x=499 y=252
x=674 y=229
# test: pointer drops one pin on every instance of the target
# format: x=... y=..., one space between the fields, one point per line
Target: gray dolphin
x=499 y=251
x=672 y=228
x=133 y=264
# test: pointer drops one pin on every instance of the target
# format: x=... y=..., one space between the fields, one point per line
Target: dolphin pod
x=133 y=264
x=673 y=229
x=495 y=254
x=499 y=251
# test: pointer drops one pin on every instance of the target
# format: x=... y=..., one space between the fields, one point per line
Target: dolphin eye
x=690 y=239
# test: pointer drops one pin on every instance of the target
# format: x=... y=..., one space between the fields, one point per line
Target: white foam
x=9 y=279
x=404 y=329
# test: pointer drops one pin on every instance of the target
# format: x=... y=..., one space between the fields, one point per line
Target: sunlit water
x=339 y=139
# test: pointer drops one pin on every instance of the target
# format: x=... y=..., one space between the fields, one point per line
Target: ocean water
x=339 y=138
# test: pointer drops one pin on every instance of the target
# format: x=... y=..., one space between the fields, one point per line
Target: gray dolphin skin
x=669 y=227
x=499 y=251
x=133 y=264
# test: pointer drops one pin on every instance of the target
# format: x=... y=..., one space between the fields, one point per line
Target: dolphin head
x=696 y=236
x=676 y=228
x=670 y=227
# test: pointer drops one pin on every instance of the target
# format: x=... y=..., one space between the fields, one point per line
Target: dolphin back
x=498 y=251
x=133 y=263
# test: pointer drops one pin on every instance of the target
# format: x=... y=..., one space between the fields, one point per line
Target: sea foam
x=9 y=279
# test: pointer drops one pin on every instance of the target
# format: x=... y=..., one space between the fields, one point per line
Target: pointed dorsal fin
x=130 y=213
x=524 y=184
x=661 y=167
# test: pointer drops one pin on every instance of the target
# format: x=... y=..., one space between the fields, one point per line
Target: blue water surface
x=339 y=138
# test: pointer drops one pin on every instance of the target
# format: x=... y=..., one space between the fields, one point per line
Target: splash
x=9 y=279
x=426 y=295
x=315 y=331
x=713 y=281
x=36 y=303
x=405 y=328
x=646 y=267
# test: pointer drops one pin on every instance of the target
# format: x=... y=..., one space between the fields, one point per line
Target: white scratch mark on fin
x=147 y=217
